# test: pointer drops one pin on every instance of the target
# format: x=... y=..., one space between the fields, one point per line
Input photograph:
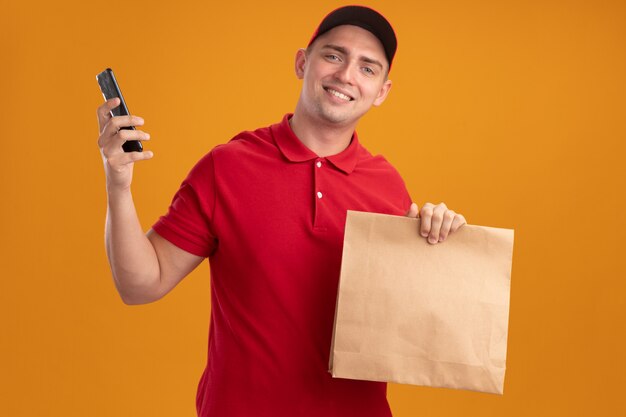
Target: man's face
x=344 y=74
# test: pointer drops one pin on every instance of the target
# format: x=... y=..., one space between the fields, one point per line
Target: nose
x=345 y=73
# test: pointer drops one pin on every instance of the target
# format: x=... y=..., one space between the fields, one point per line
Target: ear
x=382 y=94
x=300 y=62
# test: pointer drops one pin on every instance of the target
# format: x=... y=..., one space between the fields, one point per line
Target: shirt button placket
x=319 y=212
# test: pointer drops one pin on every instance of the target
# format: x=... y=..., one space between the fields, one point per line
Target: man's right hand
x=144 y=268
x=118 y=165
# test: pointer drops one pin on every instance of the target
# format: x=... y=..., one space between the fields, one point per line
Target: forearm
x=133 y=260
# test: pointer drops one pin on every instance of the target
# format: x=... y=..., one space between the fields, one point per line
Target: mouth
x=338 y=94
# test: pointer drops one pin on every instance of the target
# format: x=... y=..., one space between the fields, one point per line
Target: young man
x=268 y=209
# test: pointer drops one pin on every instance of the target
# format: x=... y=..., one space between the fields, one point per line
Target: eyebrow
x=363 y=58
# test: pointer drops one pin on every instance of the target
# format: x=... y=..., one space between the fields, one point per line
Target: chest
x=292 y=198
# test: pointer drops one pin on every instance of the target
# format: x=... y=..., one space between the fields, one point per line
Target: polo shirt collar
x=295 y=151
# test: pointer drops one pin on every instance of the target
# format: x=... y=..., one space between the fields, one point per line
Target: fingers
x=413 y=211
x=437 y=222
x=127 y=134
x=458 y=221
x=112 y=143
x=118 y=165
x=104 y=111
x=448 y=218
x=113 y=134
x=426 y=214
x=116 y=123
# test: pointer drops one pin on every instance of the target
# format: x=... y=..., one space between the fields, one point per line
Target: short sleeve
x=407 y=199
x=188 y=222
x=397 y=187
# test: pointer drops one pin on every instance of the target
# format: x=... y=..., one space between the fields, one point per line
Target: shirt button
x=319 y=164
x=319 y=194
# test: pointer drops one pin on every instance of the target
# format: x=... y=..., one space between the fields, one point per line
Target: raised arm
x=145 y=267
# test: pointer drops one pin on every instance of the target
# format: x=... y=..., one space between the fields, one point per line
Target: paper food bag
x=415 y=313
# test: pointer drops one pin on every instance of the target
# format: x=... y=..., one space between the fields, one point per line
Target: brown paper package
x=414 y=313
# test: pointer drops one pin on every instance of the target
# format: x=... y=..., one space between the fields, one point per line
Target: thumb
x=113 y=102
x=413 y=211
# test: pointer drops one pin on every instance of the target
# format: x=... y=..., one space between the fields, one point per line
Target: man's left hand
x=437 y=221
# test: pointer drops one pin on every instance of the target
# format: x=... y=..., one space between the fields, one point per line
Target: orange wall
x=510 y=112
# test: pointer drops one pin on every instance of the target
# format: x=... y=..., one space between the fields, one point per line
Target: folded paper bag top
x=415 y=313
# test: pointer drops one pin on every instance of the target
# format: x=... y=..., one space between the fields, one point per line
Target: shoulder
x=244 y=145
x=248 y=143
x=368 y=162
x=379 y=172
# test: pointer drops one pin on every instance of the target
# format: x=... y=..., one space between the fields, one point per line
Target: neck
x=323 y=138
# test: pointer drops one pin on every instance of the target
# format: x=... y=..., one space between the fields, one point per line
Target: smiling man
x=344 y=72
x=268 y=209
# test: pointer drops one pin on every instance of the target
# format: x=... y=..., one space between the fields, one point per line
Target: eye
x=332 y=57
x=368 y=71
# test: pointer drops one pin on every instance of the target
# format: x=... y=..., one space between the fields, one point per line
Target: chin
x=335 y=117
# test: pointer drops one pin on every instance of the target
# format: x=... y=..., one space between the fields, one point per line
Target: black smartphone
x=110 y=88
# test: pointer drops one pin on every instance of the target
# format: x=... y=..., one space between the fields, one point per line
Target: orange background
x=510 y=112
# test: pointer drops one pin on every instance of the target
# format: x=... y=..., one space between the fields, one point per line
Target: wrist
x=117 y=191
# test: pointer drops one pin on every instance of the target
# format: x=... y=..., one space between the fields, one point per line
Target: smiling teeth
x=338 y=94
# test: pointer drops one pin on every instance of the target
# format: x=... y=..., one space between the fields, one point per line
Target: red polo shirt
x=270 y=215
